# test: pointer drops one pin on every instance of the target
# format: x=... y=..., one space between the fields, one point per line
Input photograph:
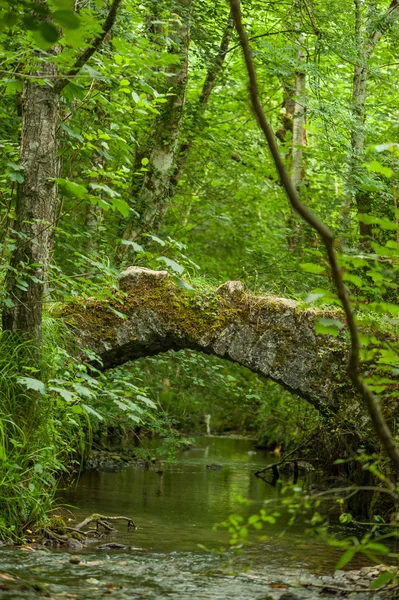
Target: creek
x=175 y=512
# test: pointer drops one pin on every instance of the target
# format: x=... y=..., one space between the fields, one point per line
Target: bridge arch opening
x=205 y=394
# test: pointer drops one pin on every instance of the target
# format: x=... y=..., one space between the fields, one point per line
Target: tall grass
x=37 y=442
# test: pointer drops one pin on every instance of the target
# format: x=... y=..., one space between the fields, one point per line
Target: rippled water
x=174 y=513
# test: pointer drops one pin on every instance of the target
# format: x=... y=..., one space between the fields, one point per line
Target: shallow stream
x=175 y=512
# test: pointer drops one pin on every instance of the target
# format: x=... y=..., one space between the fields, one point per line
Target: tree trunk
x=152 y=199
x=36 y=207
x=94 y=216
x=359 y=92
x=298 y=143
x=298 y=130
x=366 y=43
x=198 y=112
x=36 y=197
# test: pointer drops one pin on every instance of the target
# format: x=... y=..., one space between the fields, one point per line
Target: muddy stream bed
x=175 y=513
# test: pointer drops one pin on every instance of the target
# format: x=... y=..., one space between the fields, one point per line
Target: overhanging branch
x=380 y=426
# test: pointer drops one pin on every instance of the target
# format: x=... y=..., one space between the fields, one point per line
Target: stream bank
x=175 y=513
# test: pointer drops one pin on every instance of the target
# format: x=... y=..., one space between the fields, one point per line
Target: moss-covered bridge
x=270 y=336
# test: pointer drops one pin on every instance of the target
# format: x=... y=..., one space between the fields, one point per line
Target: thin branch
x=261 y=35
x=286 y=456
x=338 y=588
x=354 y=489
x=103 y=520
x=90 y=50
x=380 y=426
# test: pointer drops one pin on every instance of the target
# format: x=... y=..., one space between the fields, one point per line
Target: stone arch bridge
x=271 y=336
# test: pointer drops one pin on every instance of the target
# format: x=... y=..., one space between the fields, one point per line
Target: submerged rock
x=74 y=544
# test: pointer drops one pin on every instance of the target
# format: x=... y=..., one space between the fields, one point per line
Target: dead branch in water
x=104 y=521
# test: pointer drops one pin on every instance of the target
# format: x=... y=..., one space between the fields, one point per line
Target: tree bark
x=298 y=126
x=298 y=143
x=36 y=196
x=197 y=114
x=36 y=206
x=365 y=43
x=152 y=200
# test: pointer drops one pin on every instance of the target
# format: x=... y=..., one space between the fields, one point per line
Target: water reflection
x=175 y=512
x=177 y=509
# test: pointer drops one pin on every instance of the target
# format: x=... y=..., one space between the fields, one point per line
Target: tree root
x=58 y=533
x=104 y=521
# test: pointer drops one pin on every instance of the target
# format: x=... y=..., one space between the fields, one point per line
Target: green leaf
x=146 y=401
x=82 y=390
x=377 y=167
x=136 y=247
x=105 y=188
x=32 y=384
x=121 y=206
x=381 y=580
x=156 y=239
x=69 y=188
x=253 y=519
x=91 y=411
x=10 y=19
x=345 y=558
x=313 y=297
x=172 y=264
x=355 y=279
x=66 y=394
x=328 y=326
x=48 y=32
x=144 y=161
x=72 y=133
x=183 y=284
x=312 y=268
x=66 y=18
x=380 y=548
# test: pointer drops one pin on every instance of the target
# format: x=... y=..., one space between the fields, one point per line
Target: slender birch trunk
x=365 y=44
x=298 y=126
x=298 y=142
x=153 y=196
x=199 y=110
